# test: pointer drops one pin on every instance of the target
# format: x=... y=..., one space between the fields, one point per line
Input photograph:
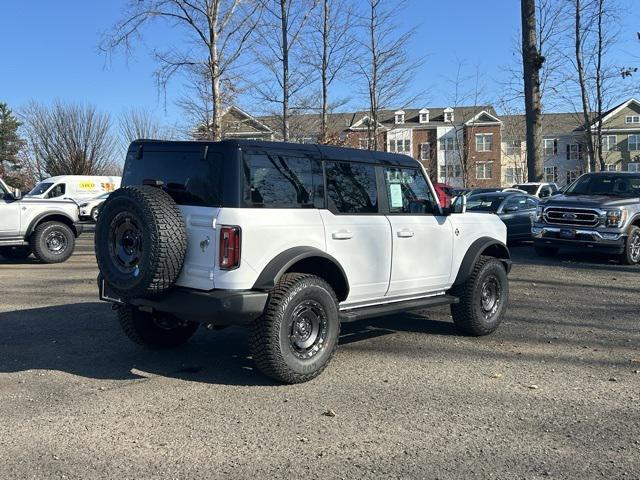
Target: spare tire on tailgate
x=140 y=241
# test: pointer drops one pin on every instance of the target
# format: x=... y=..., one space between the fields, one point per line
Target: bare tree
x=138 y=123
x=330 y=51
x=68 y=139
x=217 y=33
x=594 y=33
x=385 y=65
x=532 y=61
x=278 y=51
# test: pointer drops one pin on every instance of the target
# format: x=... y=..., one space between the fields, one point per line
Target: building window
x=550 y=147
x=513 y=147
x=425 y=151
x=484 y=142
x=363 y=143
x=610 y=167
x=399 y=116
x=634 y=142
x=609 y=143
x=572 y=175
x=424 y=117
x=484 y=170
x=447 y=144
x=448 y=114
x=450 y=171
x=513 y=175
x=632 y=119
x=574 y=151
x=551 y=174
x=633 y=167
x=400 y=146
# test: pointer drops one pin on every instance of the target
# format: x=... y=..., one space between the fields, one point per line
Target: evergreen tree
x=10 y=141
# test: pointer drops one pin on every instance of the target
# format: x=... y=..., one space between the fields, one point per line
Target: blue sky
x=50 y=52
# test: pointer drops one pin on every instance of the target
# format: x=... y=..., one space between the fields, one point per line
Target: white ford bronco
x=290 y=240
x=46 y=228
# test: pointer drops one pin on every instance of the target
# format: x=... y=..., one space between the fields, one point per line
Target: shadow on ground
x=85 y=339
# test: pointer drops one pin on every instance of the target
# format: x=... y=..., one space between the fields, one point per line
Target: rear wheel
x=482 y=298
x=53 y=242
x=154 y=330
x=546 y=251
x=16 y=253
x=296 y=337
x=631 y=254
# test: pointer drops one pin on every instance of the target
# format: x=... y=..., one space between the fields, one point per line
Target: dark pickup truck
x=599 y=211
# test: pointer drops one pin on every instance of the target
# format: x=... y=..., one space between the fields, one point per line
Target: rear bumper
x=216 y=307
x=607 y=242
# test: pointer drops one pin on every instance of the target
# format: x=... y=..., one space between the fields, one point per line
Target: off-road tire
x=41 y=242
x=19 y=252
x=158 y=228
x=630 y=256
x=546 y=252
x=145 y=328
x=468 y=315
x=270 y=336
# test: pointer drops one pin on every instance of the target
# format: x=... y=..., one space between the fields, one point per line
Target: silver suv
x=46 y=228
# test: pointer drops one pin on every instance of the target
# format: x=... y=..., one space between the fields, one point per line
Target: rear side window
x=57 y=191
x=351 y=187
x=282 y=181
x=189 y=177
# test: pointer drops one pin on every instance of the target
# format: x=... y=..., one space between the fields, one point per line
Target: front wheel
x=53 y=242
x=296 y=337
x=631 y=254
x=154 y=330
x=482 y=298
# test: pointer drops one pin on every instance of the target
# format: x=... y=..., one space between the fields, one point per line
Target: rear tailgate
x=201 y=258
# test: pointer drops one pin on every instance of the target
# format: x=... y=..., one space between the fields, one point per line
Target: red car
x=445 y=192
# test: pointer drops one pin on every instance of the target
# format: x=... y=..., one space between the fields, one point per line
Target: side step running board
x=390 y=308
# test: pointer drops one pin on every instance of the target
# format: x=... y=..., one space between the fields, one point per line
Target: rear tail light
x=229 y=247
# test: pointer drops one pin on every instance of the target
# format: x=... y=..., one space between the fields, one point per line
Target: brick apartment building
x=471 y=142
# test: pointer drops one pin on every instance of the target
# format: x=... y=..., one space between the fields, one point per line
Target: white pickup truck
x=48 y=229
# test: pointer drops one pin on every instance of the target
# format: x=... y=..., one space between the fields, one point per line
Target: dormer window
x=424 y=115
x=399 y=116
x=448 y=114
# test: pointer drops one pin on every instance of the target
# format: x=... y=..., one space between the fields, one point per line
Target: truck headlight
x=615 y=218
x=539 y=212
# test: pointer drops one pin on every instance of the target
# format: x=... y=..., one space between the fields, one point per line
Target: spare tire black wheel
x=140 y=241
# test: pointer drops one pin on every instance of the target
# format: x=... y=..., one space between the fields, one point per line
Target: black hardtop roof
x=328 y=152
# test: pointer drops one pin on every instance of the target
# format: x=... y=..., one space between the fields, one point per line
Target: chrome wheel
x=308 y=329
x=56 y=242
x=491 y=296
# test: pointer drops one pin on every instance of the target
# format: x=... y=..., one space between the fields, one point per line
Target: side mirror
x=458 y=205
x=12 y=197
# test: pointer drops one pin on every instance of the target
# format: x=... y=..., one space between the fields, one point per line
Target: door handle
x=405 y=233
x=342 y=235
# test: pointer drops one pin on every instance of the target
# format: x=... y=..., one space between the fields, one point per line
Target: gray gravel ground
x=554 y=393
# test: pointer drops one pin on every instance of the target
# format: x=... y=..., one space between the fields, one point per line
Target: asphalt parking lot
x=554 y=393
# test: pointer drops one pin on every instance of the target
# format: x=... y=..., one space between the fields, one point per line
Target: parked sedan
x=516 y=210
x=91 y=208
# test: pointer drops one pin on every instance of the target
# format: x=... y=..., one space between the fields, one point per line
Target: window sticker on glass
x=395 y=190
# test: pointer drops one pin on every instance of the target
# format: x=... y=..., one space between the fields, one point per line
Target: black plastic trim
x=281 y=263
x=351 y=315
x=473 y=253
x=43 y=216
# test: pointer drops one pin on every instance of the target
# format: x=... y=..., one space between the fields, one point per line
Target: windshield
x=40 y=188
x=530 y=189
x=484 y=203
x=603 y=184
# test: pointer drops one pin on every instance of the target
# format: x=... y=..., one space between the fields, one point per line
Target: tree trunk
x=599 y=101
x=285 y=69
x=532 y=63
x=325 y=66
x=586 y=120
x=373 y=88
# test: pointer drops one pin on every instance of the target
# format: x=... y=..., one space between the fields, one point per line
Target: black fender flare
x=281 y=263
x=477 y=248
x=55 y=216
